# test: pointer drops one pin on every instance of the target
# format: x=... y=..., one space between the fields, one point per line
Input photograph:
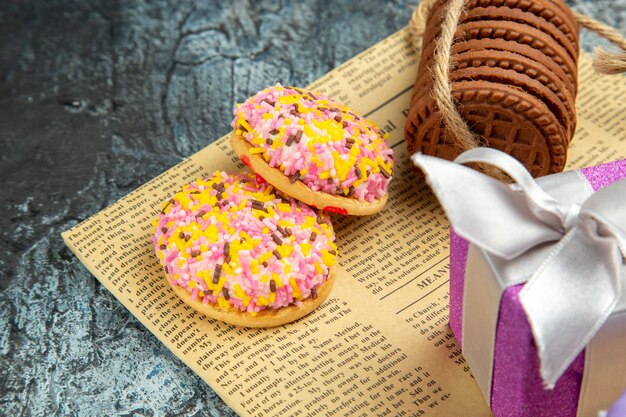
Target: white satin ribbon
x=578 y=284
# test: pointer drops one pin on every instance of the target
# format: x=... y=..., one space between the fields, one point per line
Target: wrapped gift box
x=487 y=313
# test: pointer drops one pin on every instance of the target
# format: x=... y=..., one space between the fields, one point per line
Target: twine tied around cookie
x=604 y=63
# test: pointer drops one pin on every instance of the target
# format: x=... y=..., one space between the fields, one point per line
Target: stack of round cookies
x=513 y=75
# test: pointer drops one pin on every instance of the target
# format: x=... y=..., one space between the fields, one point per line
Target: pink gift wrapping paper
x=517 y=388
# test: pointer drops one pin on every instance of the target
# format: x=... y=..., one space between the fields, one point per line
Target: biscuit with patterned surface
x=505 y=117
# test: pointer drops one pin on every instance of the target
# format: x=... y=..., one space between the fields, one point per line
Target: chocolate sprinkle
x=357 y=172
x=384 y=172
x=288 y=232
x=181 y=235
x=276 y=239
x=277 y=255
x=274 y=132
x=332 y=252
x=313 y=236
x=216 y=273
x=258 y=205
x=227 y=249
x=295 y=177
x=162 y=247
x=314 y=293
x=260 y=208
x=201 y=213
x=195 y=253
x=265 y=264
x=167 y=271
x=269 y=141
x=166 y=205
x=219 y=187
x=281 y=230
x=344 y=124
x=273 y=286
x=225 y=293
x=187 y=237
x=298 y=136
x=337 y=118
x=290 y=140
x=330 y=180
x=164 y=230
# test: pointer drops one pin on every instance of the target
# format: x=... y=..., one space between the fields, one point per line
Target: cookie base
x=264 y=318
x=299 y=191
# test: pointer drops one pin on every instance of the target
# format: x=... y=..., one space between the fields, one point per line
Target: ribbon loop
x=467 y=195
x=542 y=205
x=578 y=284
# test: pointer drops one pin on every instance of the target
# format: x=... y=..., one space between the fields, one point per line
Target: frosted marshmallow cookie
x=238 y=251
x=314 y=149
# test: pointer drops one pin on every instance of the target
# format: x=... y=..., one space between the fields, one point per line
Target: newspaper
x=380 y=344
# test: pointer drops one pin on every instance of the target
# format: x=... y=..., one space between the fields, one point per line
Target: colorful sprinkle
x=276 y=239
x=216 y=273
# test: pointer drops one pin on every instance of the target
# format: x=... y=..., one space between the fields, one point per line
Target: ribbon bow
x=577 y=286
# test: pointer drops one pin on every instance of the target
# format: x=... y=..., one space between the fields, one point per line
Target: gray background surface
x=98 y=97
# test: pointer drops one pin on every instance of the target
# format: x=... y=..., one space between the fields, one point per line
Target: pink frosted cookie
x=314 y=149
x=238 y=251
